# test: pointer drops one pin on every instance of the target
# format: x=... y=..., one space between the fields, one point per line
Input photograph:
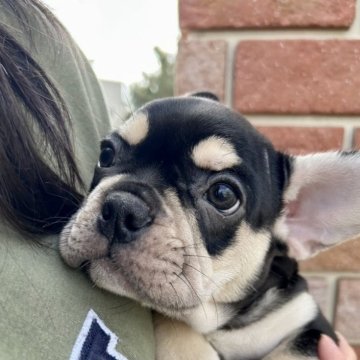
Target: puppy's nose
x=123 y=215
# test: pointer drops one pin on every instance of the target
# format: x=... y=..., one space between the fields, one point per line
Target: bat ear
x=206 y=95
x=321 y=202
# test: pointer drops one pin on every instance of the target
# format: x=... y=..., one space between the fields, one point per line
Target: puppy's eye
x=107 y=156
x=223 y=197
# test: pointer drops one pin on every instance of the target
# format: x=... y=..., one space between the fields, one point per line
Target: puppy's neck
x=277 y=283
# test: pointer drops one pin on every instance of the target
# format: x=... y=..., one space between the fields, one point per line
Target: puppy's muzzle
x=123 y=216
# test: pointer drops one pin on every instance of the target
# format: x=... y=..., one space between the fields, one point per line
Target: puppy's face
x=182 y=206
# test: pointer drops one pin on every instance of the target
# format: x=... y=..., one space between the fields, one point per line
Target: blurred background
x=131 y=45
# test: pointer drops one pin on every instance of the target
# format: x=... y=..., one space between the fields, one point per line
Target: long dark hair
x=36 y=195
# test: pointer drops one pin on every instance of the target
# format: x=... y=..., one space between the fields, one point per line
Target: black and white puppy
x=193 y=213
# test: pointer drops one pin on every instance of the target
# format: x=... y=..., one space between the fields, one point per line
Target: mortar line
x=229 y=71
x=305 y=121
x=276 y=35
x=332 y=294
x=348 y=138
x=343 y=274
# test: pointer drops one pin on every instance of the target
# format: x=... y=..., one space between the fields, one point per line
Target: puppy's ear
x=322 y=202
x=206 y=95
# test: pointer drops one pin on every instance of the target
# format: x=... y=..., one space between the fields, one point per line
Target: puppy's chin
x=164 y=268
x=155 y=283
x=158 y=270
x=106 y=275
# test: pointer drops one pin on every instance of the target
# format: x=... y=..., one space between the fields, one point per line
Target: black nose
x=123 y=215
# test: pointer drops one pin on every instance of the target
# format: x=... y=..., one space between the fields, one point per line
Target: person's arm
x=328 y=350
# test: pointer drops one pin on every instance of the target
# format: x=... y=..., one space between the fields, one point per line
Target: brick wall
x=293 y=68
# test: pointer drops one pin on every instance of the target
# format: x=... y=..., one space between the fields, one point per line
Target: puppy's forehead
x=215 y=153
x=135 y=129
x=188 y=128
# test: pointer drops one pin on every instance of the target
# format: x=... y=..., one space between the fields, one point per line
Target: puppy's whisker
x=159 y=224
x=191 y=287
x=216 y=310
x=201 y=302
x=124 y=308
x=206 y=276
x=176 y=293
x=84 y=265
x=169 y=282
x=161 y=287
x=253 y=288
x=174 y=240
x=195 y=245
x=177 y=238
x=199 y=256
x=94 y=279
x=227 y=154
x=188 y=284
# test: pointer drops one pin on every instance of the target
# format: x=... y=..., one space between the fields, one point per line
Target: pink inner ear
x=304 y=224
x=292 y=209
x=324 y=204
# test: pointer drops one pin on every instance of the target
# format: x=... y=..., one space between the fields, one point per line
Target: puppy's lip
x=86 y=263
x=84 y=266
x=132 y=291
x=144 y=297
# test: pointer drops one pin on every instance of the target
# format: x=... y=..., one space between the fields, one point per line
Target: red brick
x=344 y=257
x=298 y=77
x=201 y=65
x=302 y=140
x=210 y=14
x=347 y=319
x=356 y=139
x=318 y=288
x=357 y=350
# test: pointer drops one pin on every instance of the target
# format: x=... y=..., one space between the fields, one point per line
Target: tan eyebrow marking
x=135 y=129
x=215 y=153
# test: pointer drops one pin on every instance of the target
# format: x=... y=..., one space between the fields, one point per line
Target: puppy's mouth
x=150 y=251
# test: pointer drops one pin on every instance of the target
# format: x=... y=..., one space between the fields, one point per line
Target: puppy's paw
x=177 y=341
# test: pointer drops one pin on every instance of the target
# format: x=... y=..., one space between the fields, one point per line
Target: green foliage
x=155 y=85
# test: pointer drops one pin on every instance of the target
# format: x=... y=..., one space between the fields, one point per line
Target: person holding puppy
x=52 y=118
x=329 y=350
x=52 y=115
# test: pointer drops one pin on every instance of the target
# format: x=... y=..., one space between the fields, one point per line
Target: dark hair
x=36 y=195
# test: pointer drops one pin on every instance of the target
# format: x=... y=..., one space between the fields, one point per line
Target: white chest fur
x=261 y=337
x=208 y=317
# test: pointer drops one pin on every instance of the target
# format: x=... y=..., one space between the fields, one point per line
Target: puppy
x=193 y=213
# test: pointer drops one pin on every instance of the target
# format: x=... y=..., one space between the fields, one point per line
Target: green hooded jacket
x=46 y=307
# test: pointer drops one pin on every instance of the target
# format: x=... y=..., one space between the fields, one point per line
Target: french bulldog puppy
x=193 y=213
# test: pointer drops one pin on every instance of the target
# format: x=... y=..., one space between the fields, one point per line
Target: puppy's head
x=186 y=200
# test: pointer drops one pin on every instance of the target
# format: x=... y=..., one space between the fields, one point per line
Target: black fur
x=281 y=272
x=307 y=342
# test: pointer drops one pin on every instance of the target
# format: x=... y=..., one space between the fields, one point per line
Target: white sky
x=119 y=35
